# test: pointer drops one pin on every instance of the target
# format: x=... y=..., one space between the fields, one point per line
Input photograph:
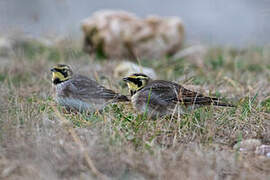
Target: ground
x=39 y=140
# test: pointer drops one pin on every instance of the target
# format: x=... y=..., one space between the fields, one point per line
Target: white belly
x=176 y=109
x=77 y=104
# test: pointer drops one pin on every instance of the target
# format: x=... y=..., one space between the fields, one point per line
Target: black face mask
x=136 y=81
x=56 y=81
x=132 y=92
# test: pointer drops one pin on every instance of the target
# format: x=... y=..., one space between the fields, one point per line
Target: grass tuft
x=36 y=144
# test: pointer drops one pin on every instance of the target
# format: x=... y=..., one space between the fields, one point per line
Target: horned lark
x=79 y=92
x=159 y=97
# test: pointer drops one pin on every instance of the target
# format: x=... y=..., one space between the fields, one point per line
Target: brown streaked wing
x=163 y=90
x=189 y=97
x=86 y=89
x=173 y=93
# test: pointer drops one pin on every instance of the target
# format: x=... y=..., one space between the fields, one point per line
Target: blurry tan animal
x=126 y=68
x=120 y=34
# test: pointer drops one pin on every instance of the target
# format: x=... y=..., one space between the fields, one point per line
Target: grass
x=121 y=144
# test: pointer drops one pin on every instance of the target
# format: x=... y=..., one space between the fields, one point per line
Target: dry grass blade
x=77 y=140
x=39 y=141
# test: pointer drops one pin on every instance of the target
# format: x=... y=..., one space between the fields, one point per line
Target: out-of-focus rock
x=195 y=54
x=247 y=145
x=5 y=46
x=126 y=68
x=263 y=150
x=119 y=34
x=193 y=50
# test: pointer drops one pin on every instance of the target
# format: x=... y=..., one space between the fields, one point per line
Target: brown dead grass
x=36 y=144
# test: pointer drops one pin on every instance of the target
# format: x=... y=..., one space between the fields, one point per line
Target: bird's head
x=136 y=82
x=61 y=73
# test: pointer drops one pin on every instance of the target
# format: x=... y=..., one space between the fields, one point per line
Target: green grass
x=122 y=143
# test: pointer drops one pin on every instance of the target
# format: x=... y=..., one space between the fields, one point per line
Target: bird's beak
x=126 y=79
x=53 y=70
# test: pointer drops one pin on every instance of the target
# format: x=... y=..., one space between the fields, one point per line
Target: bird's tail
x=202 y=100
x=218 y=102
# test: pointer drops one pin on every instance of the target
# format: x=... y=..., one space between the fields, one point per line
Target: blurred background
x=238 y=23
x=225 y=54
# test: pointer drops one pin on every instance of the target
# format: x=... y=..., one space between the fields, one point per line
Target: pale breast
x=140 y=104
x=72 y=102
x=137 y=104
x=75 y=104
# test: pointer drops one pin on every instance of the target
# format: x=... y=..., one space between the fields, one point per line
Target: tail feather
x=208 y=101
x=218 y=103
